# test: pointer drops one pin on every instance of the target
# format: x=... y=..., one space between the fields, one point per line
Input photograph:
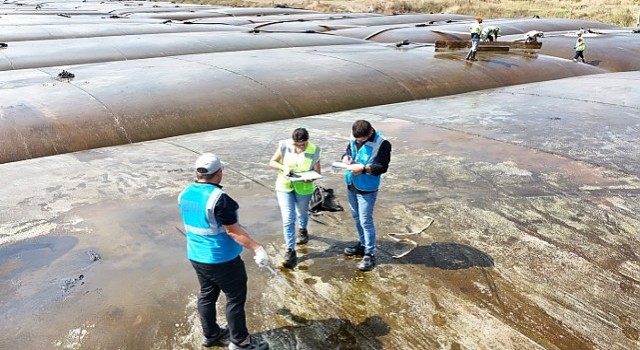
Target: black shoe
x=303 y=236
x=222 y=339
x=254 y=344
x=357 y=250
x=290 y=258
x=367 y=263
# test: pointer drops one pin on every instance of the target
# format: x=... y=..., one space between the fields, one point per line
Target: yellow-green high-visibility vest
x=297 y=162
x=580 y=44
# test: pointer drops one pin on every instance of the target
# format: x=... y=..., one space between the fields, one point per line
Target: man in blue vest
x=368 y=155
x=214 y=242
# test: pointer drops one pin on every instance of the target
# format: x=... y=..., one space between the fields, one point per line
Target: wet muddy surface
x=514 y=239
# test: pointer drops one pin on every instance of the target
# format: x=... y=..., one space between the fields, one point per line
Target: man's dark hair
x=361 y=128
x=300 y=135
x=205 y=177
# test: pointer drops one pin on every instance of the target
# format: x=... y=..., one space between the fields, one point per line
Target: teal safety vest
x=365 y=155
x=297 y=162
x=207 y=242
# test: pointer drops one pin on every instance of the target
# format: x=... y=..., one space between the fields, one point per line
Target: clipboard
x=305 y=176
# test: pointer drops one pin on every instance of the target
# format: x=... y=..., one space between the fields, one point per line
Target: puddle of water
x=134 y=292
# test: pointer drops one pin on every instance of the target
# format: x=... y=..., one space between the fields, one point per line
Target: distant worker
x=475 y=29
x=580 y=46
x=532 y=36
x=214 y=242
x=490 y=33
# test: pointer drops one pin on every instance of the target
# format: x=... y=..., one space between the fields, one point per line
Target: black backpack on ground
x=324 y=199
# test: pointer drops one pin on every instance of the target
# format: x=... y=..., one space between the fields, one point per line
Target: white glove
x=286 y=171
x=261 y=257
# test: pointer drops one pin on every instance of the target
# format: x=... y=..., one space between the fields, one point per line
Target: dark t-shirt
x=226 y=209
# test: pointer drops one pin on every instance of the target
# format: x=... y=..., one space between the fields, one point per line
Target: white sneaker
x=254 y=344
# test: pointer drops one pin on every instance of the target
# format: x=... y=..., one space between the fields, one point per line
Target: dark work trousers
x=231 y=278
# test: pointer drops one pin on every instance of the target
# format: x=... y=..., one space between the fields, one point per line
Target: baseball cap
x=208 y=162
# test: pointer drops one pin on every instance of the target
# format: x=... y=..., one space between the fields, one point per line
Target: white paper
x=305 y=176
x=340 y=165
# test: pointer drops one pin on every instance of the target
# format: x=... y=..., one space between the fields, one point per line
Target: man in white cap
x=214 y=242
x=532 y=36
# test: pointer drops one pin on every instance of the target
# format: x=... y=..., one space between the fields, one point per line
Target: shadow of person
x=449 y=256
x=443 y=255
x=332 y=333
x=332 y=247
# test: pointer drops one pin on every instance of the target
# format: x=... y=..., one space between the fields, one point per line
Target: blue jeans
x=292 y=206
x=475 y=41
x=362 y=211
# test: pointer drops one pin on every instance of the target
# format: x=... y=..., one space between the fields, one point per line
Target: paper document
x=340 y=165
x=305 y=176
